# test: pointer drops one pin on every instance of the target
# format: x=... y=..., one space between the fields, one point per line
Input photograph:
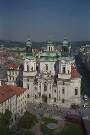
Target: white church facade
x=56 y=81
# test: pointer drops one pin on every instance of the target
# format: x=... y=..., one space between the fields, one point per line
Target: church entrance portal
x=44 y=98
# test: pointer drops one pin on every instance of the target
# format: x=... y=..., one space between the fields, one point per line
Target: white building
x=13 y=98
x=57 y=81
x=12 y=73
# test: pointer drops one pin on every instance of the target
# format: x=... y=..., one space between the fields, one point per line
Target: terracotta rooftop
x=12 y=66
x=74 y=72
x=8 y=91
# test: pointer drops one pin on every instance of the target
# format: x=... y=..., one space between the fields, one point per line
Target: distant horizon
x=45 y=40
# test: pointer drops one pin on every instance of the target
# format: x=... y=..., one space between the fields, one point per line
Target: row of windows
x=32 y=68
x=64 y=70
x=50 y=97
x=63 y=90
x=12 y=78
x=12 y=72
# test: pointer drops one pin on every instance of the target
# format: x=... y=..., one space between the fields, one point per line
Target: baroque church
x=51 y=77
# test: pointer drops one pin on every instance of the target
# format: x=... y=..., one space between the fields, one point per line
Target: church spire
x=65 y=48
x=28 y=46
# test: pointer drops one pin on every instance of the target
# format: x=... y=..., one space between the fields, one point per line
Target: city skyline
x=44 y=20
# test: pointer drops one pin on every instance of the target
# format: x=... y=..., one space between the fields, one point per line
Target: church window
x=68 y=72
x=27 y=67
x=46 y=66
x=49 y=48
x=76 y=91
x=63 y=91
x=63 y=100
x=35 y=96
x=45 y=87
x=32 y=69
x=40 y=85
x=63 y=70
x=54 y=99
x=55 y=91
x=49 y=95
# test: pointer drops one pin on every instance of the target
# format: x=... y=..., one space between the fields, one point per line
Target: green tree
x=5 y=118
x=27 y=120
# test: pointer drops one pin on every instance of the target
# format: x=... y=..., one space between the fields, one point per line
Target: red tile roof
x=74 y=72
x=12 y=66
x=8 y=91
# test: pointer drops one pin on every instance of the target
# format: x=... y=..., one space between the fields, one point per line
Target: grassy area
x=72 y=129
x=69 y=129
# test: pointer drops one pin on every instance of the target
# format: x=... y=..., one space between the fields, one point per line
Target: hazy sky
x=45 y=19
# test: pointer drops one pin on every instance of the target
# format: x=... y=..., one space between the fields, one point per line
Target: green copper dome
x=48 y=56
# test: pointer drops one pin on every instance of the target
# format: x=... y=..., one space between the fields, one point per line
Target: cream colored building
x=12 y=73
x=13 y=98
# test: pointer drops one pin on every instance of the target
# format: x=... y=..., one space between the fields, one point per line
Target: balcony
x=30 y=73
x=64 y=76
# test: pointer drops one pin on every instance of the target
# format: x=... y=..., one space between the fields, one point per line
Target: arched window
x=63 y=70
x=49 y=48
x=32 y=69
x=46 y=67
x=45 y=86
x=27 y=67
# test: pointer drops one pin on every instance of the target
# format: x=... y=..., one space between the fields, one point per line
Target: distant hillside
x=9 y=44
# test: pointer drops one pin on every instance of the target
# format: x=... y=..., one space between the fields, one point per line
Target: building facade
x=57 y=81
x=13 y=98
